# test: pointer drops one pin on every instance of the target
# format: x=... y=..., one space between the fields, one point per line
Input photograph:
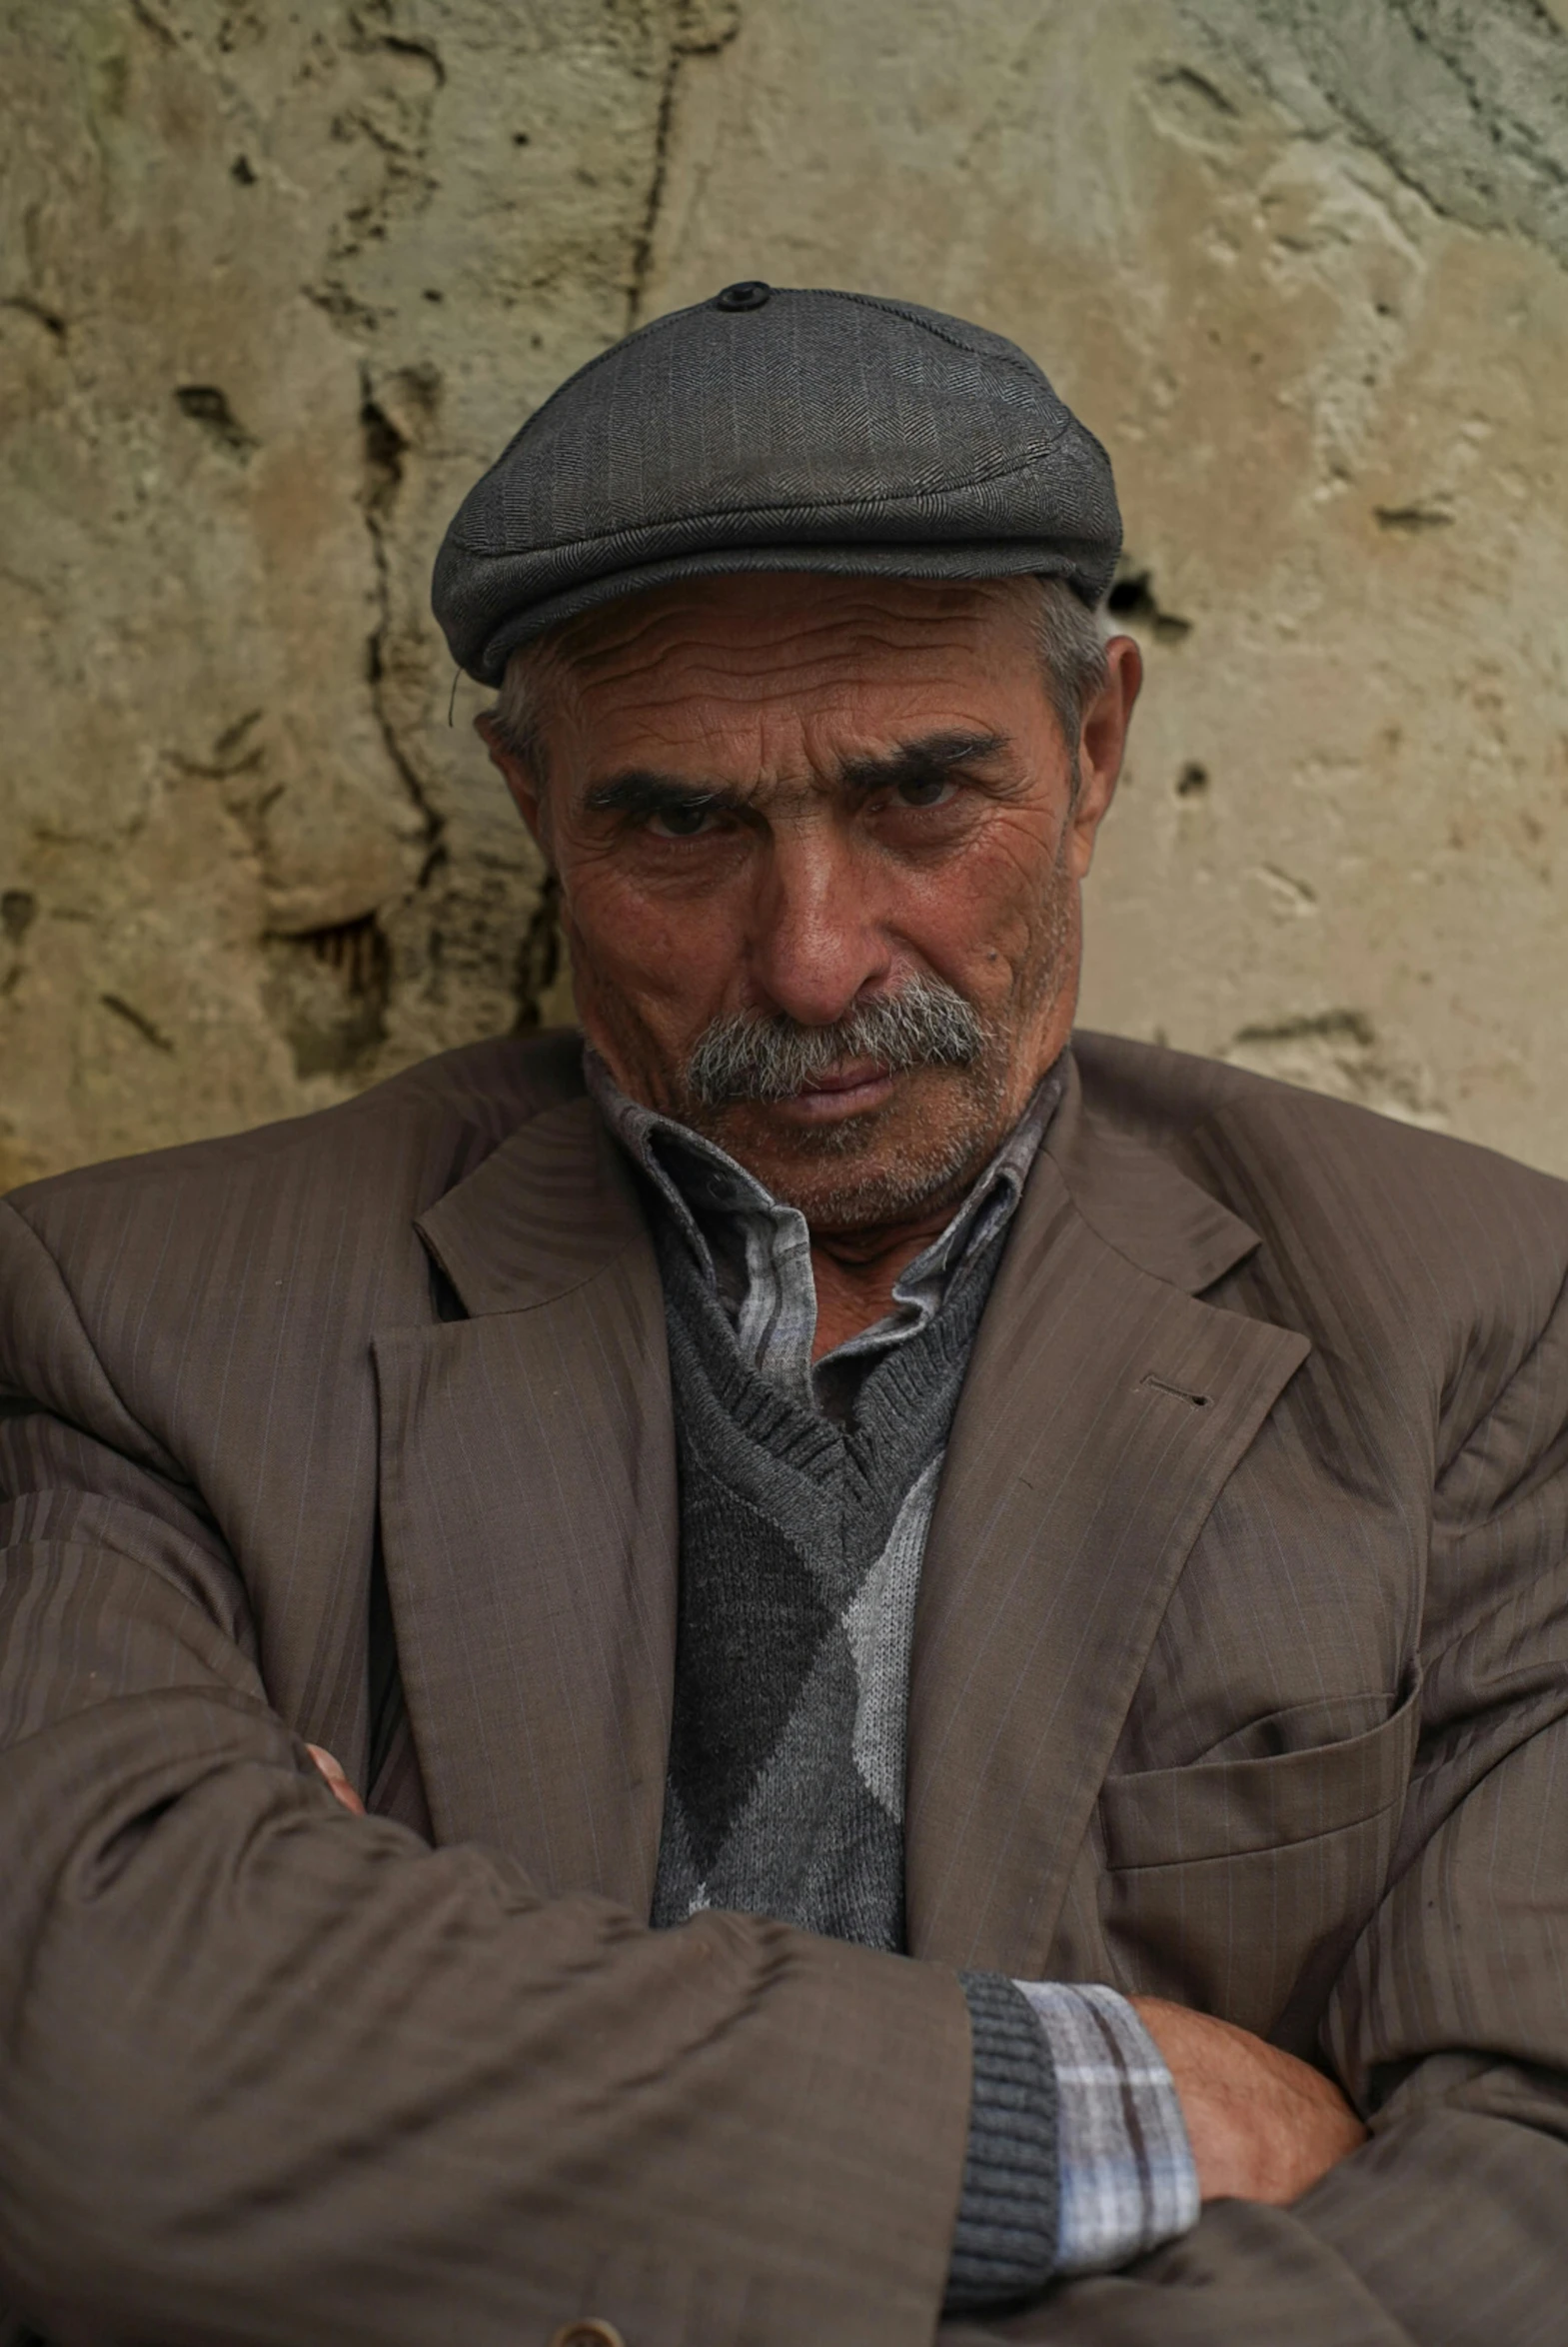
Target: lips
x=843 y=1092
x=854 y=1077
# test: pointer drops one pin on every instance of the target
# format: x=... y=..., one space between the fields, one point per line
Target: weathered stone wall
x=277 y=279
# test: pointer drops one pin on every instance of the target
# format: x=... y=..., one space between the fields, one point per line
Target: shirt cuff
x=1128 y=2176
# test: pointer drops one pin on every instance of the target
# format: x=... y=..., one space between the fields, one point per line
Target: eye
x=680 y=819
x=925 y=791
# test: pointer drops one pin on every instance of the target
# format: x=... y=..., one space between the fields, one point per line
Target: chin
x=857 y=1174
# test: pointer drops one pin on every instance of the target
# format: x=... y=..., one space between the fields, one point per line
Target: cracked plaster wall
x=276 y=281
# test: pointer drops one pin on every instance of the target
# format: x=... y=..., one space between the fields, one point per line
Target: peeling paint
x=1467 y=105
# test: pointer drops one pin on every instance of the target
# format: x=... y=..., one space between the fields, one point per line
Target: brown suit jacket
x=1241 y=1674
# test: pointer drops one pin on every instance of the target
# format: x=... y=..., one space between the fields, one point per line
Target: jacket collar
x=1104 y=1407
x=556 y=1202
x=529 y=1513
x=544 y=1214
x=1140 y=1202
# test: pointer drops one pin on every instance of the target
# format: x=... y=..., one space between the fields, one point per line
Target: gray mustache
x=927 y=1025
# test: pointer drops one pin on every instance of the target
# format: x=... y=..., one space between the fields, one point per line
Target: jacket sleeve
x=272 y=2072
x=1449 y=2026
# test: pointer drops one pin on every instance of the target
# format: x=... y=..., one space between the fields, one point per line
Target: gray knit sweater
x=805 y=1497
x=797 y=1580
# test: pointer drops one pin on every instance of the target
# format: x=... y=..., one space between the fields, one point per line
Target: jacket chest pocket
x=1241 y=1885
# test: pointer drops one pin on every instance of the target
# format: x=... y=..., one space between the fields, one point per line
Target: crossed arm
x=410 y=2094
x=1262 y=2125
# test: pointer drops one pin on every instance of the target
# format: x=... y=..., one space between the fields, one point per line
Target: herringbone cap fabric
x=777 y=429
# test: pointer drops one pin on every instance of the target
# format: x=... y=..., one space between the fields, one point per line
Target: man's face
x=777 y=801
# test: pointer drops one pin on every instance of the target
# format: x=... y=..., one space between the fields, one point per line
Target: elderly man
x=947 y=1645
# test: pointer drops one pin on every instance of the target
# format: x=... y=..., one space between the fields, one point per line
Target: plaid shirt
x=1128 y=2177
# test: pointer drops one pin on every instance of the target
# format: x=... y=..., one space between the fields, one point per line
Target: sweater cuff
x=1004 y=2246
x=1128 y=2179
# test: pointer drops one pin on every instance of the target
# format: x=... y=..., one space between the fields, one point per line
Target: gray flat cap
x=773 y=430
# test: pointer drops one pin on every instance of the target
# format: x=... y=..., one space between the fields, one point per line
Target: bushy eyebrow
x=642 y=790
x=931 y=759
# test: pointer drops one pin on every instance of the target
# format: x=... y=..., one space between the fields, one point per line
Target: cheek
x=670 y=959
x=979 y=918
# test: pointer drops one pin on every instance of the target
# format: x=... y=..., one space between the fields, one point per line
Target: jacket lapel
x=1103 y=1408
x=529 y=1516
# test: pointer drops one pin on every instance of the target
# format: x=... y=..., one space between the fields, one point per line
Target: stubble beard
x=918 y=1151
x=882 y=1166
x=890 y=1164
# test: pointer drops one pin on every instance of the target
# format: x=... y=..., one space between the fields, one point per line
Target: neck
x=855 y=1272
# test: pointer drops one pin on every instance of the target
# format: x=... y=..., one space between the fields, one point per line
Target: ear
x=1102 y=745
x=517 y=773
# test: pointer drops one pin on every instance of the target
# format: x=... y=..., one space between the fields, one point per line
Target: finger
x=335 y=1777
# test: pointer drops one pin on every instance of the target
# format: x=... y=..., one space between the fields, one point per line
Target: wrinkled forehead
x=786 y=649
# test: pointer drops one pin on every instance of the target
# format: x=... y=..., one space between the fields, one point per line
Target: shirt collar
x=733 y=1224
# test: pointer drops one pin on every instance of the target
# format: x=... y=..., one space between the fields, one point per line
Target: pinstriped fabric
x=201 y=1274
x=1338 y=1806
x=1102 y=1412
x=275 y=2074
x=575 y=1588
x=397 y=1789
x=543 y=1214
x=1241 y=1666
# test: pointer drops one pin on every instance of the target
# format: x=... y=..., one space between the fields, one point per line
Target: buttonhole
x=1182 y=1392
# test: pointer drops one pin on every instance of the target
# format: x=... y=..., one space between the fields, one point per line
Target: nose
x=817 y=942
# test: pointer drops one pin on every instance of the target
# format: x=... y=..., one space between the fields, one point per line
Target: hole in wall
x=207 y=405
x=327 y=992
x=1412 y=521
x=18 y=911
x=385 y=448
x=1133 y=600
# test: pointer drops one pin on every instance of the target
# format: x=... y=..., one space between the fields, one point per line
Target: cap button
x=750 y=294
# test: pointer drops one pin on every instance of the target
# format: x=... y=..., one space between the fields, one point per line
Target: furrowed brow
x=644 y=790
x=932 y=756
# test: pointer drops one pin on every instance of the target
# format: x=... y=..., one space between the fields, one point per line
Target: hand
x=1262 y=2125
x=339 y=1783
